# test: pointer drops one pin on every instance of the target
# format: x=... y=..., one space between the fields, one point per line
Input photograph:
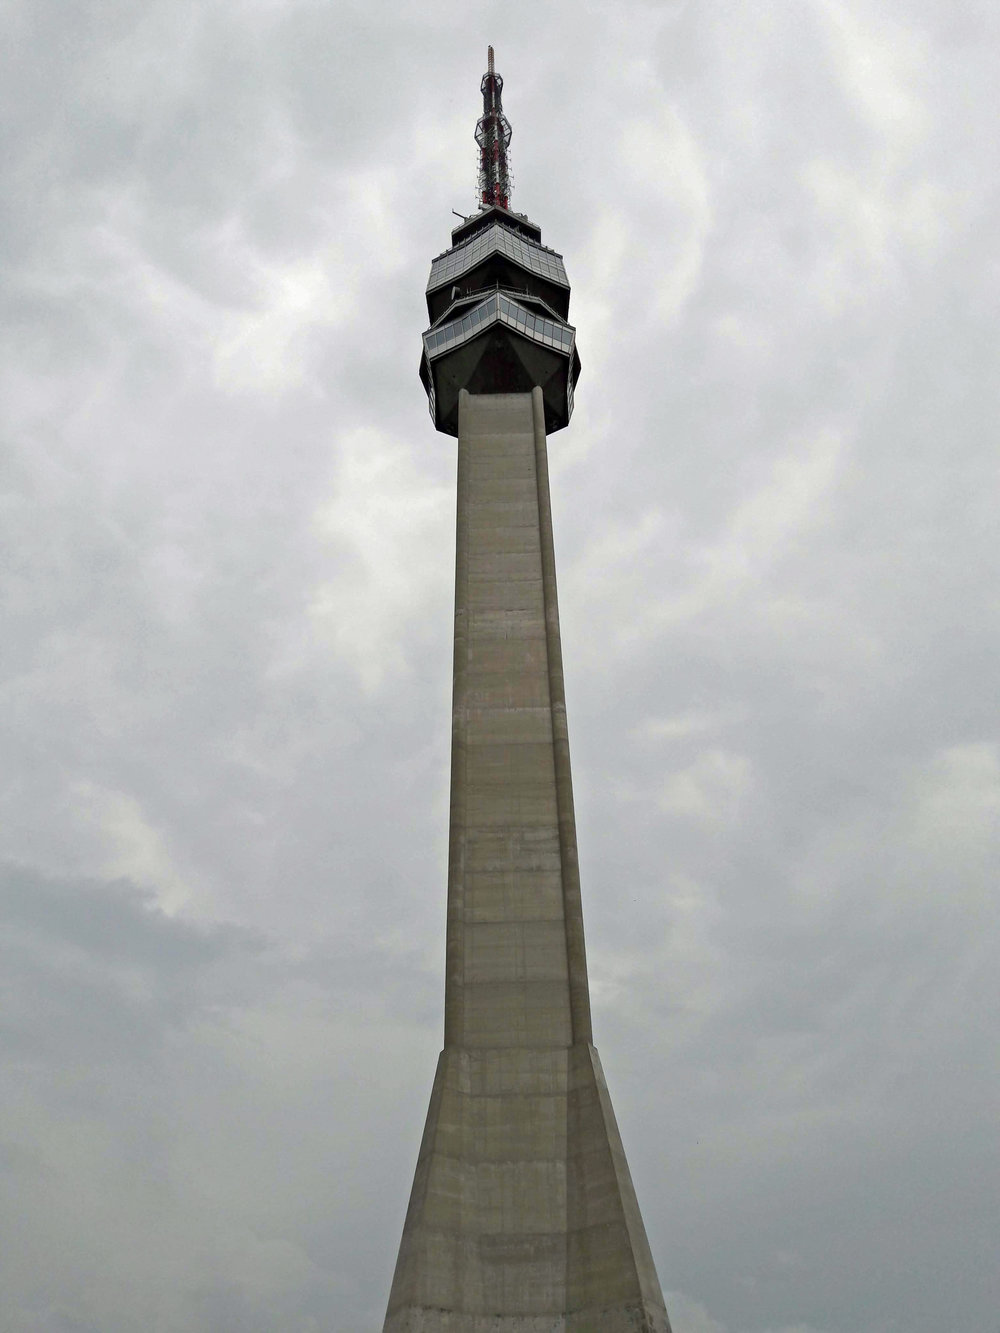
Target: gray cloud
x=227 y=585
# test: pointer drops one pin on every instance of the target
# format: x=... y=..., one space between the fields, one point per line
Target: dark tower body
x=522 y=1217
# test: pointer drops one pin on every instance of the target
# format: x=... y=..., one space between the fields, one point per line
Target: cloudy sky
x=226 y=581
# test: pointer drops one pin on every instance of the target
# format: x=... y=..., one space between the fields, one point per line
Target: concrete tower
x=522 y=1217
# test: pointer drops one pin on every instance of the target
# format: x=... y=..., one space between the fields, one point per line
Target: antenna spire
x=493 y=137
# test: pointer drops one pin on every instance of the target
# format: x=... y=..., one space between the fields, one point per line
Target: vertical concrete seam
x=454 y=1007
x=576 y=953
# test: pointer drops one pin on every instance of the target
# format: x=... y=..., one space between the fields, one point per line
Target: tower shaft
x=522 y=1218
x=517 y=970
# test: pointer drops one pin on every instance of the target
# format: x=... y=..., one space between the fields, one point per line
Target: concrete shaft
x=522 y=1217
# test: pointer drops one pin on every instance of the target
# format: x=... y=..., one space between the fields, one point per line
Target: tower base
x=523 y=1217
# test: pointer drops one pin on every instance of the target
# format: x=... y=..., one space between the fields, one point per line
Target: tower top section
x=493 y=135
x=498 y=300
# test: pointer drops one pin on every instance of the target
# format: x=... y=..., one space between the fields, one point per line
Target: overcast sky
x=227 y=572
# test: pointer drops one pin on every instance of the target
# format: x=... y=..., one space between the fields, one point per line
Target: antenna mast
x=493 y=137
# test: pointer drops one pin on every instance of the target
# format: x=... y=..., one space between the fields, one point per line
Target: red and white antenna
x=493 y=137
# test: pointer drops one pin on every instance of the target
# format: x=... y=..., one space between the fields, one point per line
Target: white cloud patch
x=765 y=526
x=664 y=160
x=881 y=63
x=264 y=350
x=680 y=726
x=387 y=518
x=955 y=822
x=709 y=790
x=135 y=850
x=689 y=1316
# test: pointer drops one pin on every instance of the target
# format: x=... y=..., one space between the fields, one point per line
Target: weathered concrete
x=522 y=1217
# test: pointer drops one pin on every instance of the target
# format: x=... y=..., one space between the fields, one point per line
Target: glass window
x=462 y=327
x=535 y=258
x=470 y=322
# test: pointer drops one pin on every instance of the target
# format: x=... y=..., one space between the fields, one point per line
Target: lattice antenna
x=493 y=137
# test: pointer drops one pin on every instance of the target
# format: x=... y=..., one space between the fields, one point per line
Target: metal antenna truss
x=493 y=134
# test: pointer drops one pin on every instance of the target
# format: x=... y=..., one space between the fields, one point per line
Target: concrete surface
x=522 y=1217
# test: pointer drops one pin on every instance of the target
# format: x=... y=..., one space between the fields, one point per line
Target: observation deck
x=498 y=302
